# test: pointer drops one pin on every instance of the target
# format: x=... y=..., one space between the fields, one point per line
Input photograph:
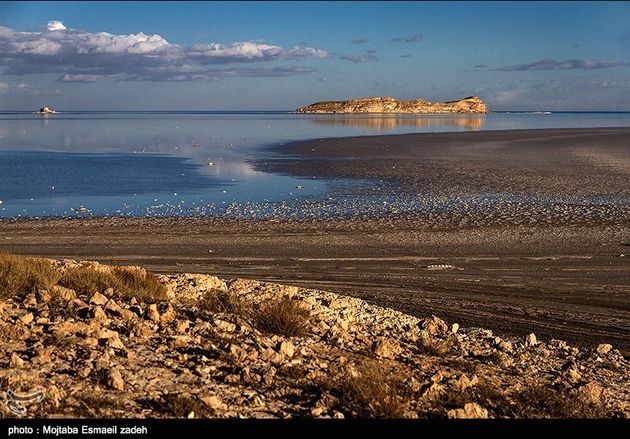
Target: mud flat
x=516 y=231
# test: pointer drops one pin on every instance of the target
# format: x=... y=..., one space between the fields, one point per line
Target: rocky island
x=469 y=105
x=46 y=110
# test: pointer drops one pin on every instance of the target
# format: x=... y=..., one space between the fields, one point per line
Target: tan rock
x=180 y=341
x=30 y=301
x=386 y=348
x=90 y=342
x=591 y=392
x=98 y=314
x=152 y=313
x=531 y=340
x=213 y=402
x=43 y=296
x=168 y=315
x=503 y=345
x=435 y=326
x=574 y=375
x=182 y=326
x=471 y=410
x=463 y=382
x=435 y=390
x=43 y=355
x=604 y=349
x=54 y=395
x=105 y=333
x=141 y=330
x=272 y=356
x=114 y=380
x=454 y=328
x=64 y=293
x=286 y=349
x=27 y=318
x=115 y=343
x=318 y=411
x=98 y=299
x=113 y=307
x=225 y=326
x=127 y=315
x=16 y=362
x=342 y=324
x=237 y=353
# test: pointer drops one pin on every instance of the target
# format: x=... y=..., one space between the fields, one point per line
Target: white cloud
x=20 y=89
x=80 y=56
x=359 y=59
x=570 y=64
x=68 y=77
x=252 y=51
x=566 y=93
x=55 y=25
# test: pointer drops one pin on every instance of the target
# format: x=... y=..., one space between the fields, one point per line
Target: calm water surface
x=194 y=163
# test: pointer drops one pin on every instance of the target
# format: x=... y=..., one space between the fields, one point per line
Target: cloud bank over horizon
x=80 y=56
x=571 y=64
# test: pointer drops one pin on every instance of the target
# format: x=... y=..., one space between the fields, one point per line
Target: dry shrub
x=87 y=280
x=94 y=405
x=438 y=348
x=124 y=281
x=540 y=401
x=547 y=402
x=140 y=284
x=484 y=394
x=20 y=276
x=219 y=301
x=180 y=406
x=285 y=317
x=371 y=393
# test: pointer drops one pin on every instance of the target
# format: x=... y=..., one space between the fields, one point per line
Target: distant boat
x=46 y=110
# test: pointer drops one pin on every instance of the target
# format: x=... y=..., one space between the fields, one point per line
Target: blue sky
x=281 y=55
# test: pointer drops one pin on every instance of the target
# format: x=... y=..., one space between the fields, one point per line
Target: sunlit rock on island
x=469 y=105
x=46 y=110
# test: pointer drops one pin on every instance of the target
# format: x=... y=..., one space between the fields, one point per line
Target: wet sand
x=532 y=225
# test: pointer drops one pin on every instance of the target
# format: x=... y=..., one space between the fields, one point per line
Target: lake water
x=195 y=163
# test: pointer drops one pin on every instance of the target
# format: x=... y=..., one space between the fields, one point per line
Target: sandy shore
x=530 y=226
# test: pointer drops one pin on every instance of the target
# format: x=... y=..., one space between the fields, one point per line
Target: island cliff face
x=469 y=105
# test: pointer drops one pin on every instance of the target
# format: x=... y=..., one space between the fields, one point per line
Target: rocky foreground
x=469 y=105
x=240 y=348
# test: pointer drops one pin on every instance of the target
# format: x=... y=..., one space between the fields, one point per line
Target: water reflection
x=390 y=122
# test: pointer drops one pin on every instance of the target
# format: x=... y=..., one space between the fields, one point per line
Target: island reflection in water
x=382 y=122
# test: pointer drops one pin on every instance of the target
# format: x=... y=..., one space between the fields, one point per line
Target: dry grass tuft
x=140 y=284
x=484 y=394
x=20 y=275
x=285 y=317
x=371 y=393
x=536 y=402
x=182 y=406
x=547 y=402
x=86 y=280
x=218 y=301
